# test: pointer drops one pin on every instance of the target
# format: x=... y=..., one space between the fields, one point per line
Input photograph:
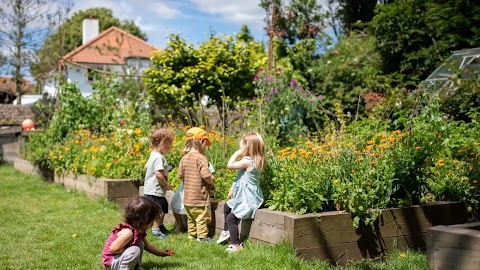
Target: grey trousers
x=129 y=259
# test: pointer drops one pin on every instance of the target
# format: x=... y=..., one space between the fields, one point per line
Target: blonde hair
x=160 y=137
x=254 y=148
x=194 y=145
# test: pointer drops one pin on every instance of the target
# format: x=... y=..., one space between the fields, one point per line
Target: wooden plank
x=120 y=188
x=454 y=258
x=342 y=253
x=11 y=130
x=454 y=237
x=333 y=228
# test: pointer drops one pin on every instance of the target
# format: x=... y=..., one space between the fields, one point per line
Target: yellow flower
x=418 y=147
x=335 y=181
x=74 y=235
x=383 y=146
x=403 y=254
x=440 y=163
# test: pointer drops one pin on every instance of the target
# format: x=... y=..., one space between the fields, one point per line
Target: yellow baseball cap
x=196 y=133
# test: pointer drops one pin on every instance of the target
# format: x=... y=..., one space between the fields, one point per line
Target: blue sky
x=192 y=19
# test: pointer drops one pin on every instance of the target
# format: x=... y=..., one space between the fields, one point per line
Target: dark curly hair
x=141 y=211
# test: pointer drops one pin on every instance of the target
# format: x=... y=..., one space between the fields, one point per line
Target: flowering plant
x=285 y=105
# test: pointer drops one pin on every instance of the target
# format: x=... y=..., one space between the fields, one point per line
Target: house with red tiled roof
x=113 y=50
x=8 y=89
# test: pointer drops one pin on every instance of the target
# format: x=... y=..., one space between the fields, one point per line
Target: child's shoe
x=224 y=236
x=159 y=235
x=234 y=248
x=205 y=240
x=164 y=230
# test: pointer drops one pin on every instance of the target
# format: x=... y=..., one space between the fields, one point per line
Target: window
x=90 y=75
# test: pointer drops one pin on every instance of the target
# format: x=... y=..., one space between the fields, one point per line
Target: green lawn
x=44 y=226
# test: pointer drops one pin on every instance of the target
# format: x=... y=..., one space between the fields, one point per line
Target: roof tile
x=112 y=46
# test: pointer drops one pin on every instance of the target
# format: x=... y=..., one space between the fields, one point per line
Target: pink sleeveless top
x=107 y=256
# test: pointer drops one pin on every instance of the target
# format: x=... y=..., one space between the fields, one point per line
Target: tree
x=352 y=14
x=299 y=33
x=415 y=36
x=297 y=20
x=23 y=24
x=69 y=36
x=220 y=66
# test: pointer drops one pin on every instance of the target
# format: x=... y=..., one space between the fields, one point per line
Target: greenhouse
x=467 y=61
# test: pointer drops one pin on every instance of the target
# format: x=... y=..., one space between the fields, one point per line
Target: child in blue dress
x=245 y=195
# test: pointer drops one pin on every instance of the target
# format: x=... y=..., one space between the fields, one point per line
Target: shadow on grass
x=162 y=265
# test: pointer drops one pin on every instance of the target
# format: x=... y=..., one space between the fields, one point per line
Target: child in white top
x=156 y=177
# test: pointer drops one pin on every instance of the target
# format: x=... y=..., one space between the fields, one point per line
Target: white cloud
x=237 y=11
x=121 y=9
x=165 y=11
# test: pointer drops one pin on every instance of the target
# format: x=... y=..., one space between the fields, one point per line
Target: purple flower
x=293 y=82
x=320 y=97
x=255 y=77
x=280 y=70
x=274 y=91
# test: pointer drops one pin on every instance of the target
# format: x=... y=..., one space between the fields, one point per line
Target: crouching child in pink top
x=124 y=247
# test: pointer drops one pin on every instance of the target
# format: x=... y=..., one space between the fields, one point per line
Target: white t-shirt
x=156 y=162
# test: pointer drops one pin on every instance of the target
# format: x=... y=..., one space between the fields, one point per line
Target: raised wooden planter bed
x=330 y=235
x=119 y=190
x=454 y=247
x=28 y=168
x=324 y=236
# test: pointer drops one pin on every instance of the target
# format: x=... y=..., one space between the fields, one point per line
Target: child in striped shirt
x=198 y=182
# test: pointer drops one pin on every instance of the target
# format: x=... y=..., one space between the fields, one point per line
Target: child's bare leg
x=179 y=223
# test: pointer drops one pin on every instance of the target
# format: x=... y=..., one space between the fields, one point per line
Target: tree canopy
x=69 y=36
x=220 y=66
x=415 y=36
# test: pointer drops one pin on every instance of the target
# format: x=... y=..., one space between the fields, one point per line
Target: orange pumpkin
x=28 y=124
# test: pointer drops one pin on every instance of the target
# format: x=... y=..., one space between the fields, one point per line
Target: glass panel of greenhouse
x=462 y=60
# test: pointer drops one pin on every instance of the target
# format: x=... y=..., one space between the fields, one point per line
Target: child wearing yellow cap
x=198 y=182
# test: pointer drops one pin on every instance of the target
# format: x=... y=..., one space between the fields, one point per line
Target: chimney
x=90 y=29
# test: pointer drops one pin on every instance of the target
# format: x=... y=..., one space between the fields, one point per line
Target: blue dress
x=247 y=194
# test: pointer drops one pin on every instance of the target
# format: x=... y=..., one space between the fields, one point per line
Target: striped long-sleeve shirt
x=192 y=170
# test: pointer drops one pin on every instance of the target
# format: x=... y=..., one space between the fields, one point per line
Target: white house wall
x=139 y=65
x=79 y=75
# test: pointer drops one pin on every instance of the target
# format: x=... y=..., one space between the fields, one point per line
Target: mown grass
x=44 y=226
